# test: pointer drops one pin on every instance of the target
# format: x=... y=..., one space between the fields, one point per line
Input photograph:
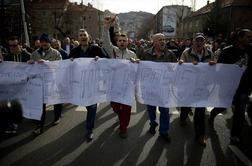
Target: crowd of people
x=236 y=49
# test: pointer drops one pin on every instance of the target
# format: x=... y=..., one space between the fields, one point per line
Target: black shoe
x=90 y=137
x=165 y=137
x=123 y=134
x=152 y=130
x=56 y=122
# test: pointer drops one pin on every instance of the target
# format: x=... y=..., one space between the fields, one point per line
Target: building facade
x=221 y=16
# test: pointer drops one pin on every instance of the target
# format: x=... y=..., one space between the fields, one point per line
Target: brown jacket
x=189 y=55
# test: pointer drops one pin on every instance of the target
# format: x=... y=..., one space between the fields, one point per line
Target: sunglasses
x=13 y=45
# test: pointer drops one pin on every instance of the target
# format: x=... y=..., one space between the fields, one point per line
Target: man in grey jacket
x=41 y=55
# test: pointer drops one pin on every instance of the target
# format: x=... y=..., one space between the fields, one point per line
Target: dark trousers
x=123 y=112
x=91 y=114
x=198 y=119
x=239 y=114
x=57 y=113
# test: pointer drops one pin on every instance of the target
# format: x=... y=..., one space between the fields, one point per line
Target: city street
x=65 y=144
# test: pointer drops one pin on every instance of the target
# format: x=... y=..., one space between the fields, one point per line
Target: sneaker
x=90 y=137
x=165 y=137
x=152 y=130
x=201 y=141
x=38 y=131
x=123 y=134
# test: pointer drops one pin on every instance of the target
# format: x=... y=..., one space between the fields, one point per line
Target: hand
x=30 y=61
x=41 y=61
x=133 y=60
x=195 y=62
x=212 y=63
x=96 y=58
x=180 y=62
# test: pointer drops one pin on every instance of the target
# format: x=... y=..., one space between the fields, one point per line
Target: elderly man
x=85 y=50
x=197 y=53
x=159 y=53
x=46 y=53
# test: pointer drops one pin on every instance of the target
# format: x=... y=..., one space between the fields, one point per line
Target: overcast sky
x=151 y=6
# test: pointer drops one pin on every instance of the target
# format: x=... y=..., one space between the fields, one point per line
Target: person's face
x=55 y=45
x=122 y=42
x=37 y=44
x=45 y=44
x=159 y=43
x=246 y=39
x=14 y=46
x=83 y=38
x=67 y=40
x=198 y=43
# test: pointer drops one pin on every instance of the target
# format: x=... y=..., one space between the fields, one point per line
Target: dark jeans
x=198 y=119
x=91 y=114
x=57 y=113
x=164 y=118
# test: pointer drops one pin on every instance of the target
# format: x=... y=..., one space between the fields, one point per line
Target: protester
x=118 y=52
x=197 y=53
x=85 y=50
x=159 y=53
x=41 y=55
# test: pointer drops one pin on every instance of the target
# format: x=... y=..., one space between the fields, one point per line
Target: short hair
x=123 y=35
x=155 y=36
x=12 y=38
x=242 y=32
x=83 y=31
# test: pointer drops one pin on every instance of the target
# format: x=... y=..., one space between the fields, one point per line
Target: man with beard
x=85 y=50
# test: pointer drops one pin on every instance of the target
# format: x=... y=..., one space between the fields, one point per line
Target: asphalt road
x=65 y=144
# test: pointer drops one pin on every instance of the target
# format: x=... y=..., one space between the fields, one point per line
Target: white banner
x=173 y=85
x=17 y=82
x=85 y=82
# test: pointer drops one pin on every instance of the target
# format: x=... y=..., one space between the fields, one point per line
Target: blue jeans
x=91 y=114
x=164 y=118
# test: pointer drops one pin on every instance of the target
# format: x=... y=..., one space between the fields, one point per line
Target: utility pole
x=2 y=16
x=24 y=23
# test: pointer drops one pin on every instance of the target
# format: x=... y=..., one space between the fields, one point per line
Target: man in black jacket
x=16 y=53
x=85 y=50
x=239 y=53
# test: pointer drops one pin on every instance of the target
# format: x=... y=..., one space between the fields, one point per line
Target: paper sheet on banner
x=103 y=80
x=85 y=81
x=173 y=85
x=17 y=82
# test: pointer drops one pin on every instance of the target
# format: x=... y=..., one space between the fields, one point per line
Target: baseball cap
x=199 y=35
